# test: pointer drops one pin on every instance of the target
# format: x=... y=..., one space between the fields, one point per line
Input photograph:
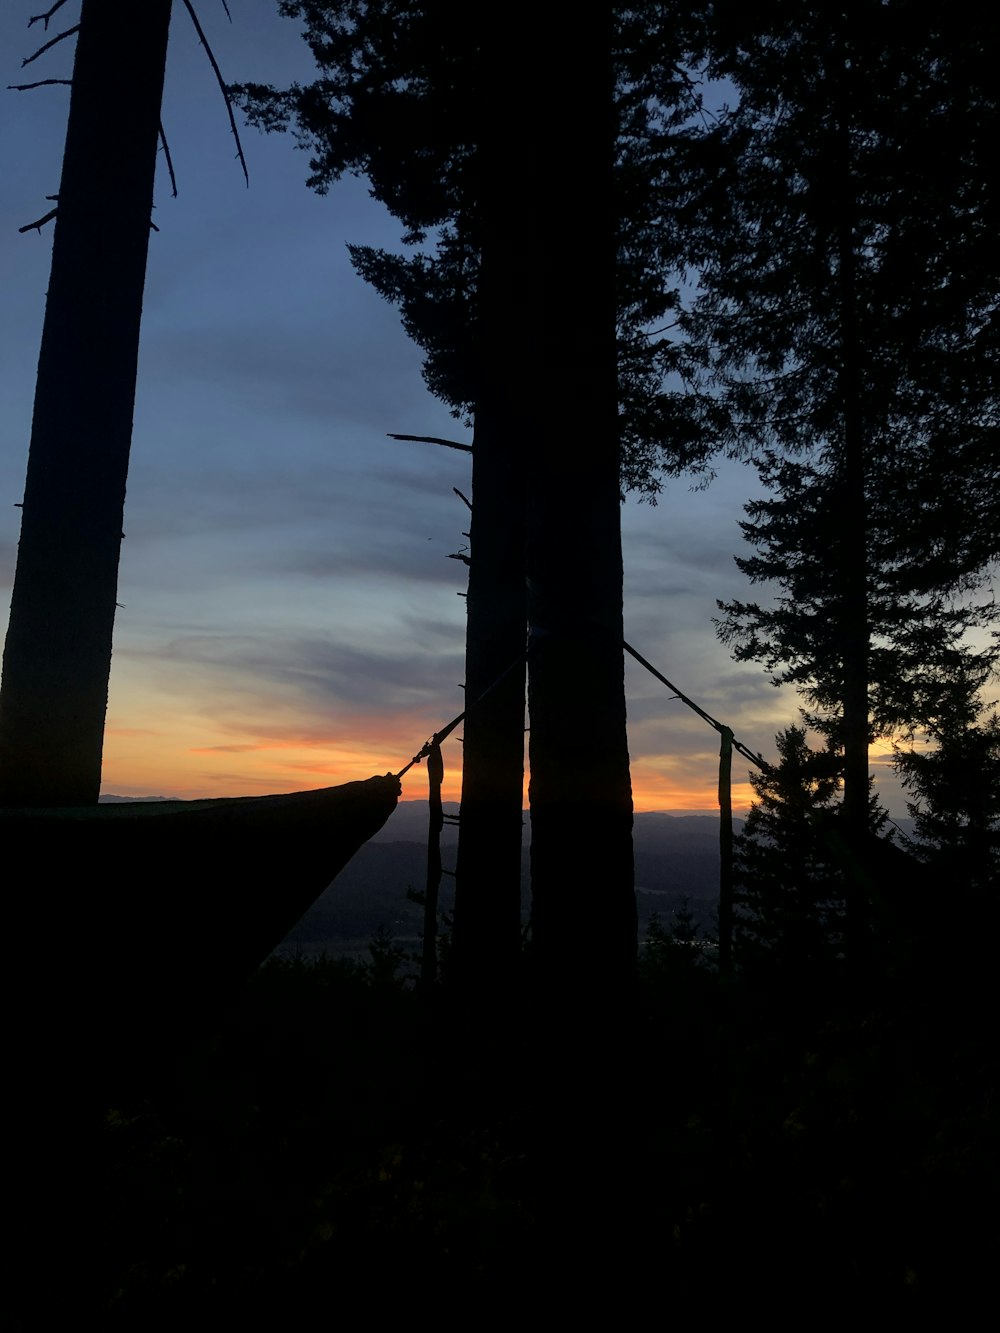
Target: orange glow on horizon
x=167 y=741
x=700 y=800
x=198 y=760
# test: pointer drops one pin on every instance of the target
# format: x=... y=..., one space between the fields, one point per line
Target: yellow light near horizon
x=165 y=742
x=658 y=795
x=189 y=758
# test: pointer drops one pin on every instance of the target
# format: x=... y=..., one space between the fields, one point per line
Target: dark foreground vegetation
x=345 y=1145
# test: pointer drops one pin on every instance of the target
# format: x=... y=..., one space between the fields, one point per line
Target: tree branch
x=37 y=226
x=23 y=87
x=170 y=163
x=44 y=18
x=226 y=8
x=466 y=499
x=219 y=79
x=48 y=45
x=432 y=439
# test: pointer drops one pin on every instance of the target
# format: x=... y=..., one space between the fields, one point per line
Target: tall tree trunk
x=57 y=658
x=853 y=553
x=487 y=929
x=725 y=851
x=547 y=317
x=583 y=899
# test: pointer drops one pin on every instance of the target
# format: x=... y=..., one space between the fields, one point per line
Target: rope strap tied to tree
x=431 y=751
x=445 y=732
x=720 y=727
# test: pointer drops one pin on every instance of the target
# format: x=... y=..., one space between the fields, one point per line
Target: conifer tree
x=789 y=907
x=955 y=786
x=847 y=317
x=411 y=100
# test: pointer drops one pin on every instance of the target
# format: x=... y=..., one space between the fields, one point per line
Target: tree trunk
x=432 y=885
x=487 y=929
x=487 y=923
x=725 y=852
x=583 y=899
x=57 y=658
x=852 y=555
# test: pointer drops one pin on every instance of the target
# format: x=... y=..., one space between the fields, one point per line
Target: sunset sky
x=291 y=618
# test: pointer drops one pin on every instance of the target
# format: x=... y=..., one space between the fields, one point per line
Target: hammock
x=132 y=922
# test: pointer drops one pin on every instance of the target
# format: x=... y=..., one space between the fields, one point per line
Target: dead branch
x=221 y=82
x=37 y=226
x=432 y=439
x=458 y=556
x=23 y=87
x=466 y=499
x=48 y=45
x=44 y=18
x=226 y=8
x=170 y=162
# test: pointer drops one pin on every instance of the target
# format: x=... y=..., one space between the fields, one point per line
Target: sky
x=290 y=615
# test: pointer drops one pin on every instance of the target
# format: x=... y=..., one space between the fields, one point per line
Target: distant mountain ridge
x=676 y=857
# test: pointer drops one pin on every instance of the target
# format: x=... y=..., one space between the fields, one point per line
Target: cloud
x=309 y=671
x=361 y=378
x=225 y=749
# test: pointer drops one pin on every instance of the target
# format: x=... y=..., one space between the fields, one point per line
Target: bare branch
x=153 y=226
x=23 y=87
x=48 y=45
x=466 y=499
x=44 y=18
x=226 y=8
x=432 y=439
x=666 y=328
x=221 y=82
x=170 y=163
x=37 y=226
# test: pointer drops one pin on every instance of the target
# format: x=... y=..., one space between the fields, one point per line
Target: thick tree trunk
x=487 y=929
x=583 y=899
x=57 y=658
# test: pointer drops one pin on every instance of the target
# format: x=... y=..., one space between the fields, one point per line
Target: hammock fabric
x=132 y=922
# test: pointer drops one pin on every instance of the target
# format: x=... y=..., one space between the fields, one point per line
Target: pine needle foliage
x=789 y=902
x=847 y=318
x=396 y=102
x=955 y=808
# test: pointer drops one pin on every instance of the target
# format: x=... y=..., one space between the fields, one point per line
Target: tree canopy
x=847 y=318
x=396 y=102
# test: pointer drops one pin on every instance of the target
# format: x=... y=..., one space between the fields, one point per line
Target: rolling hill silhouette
x=676 y=857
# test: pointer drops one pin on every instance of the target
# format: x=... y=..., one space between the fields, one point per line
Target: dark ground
x=345 y=1146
